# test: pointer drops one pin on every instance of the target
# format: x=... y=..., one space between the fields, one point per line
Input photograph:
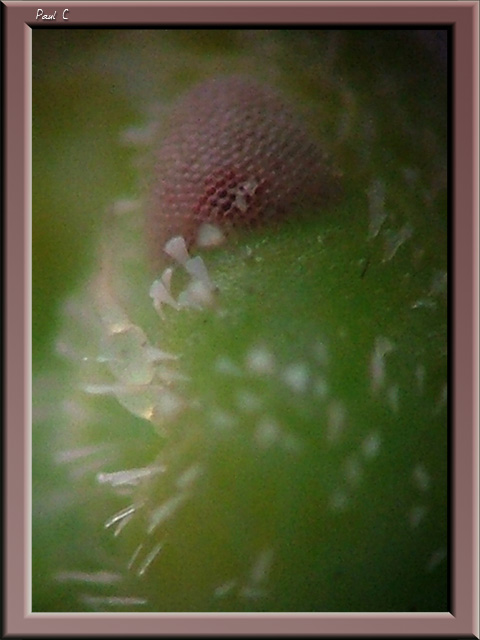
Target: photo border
x=18 y=21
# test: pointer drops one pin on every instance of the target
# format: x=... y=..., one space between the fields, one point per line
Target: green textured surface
x=331 y=475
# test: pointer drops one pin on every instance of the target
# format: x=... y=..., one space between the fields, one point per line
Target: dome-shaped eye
x=234 y=156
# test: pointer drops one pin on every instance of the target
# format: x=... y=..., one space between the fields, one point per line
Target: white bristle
x=209 y=236
x=177 y=249
x=160 y=295
x=197 y=269
x=197 y=295
x=166 y=278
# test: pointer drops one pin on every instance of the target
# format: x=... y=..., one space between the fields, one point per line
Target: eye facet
x=235 y=156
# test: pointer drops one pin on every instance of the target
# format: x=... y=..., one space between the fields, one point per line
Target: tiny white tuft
x=297 y=377
x=224 y=589
x=376 y=207
x=197 y=295
x=260 y=360
x=336 y=419
x=353 y=470
x=267 y=433
x=395 y=239
x=166 y=278
x=320 y=388
x=383 y=346
x=248 y=401
x=421 y=478
x=226 y=366
x=420 y=377
x=160 y=295
x=189 y=476
x=417 y=515
x=393 y=394
x=168 y=405
x=121 y=207
x=262 y=566
x=176 y=248
x=197 y=269
x=209 y=236
x=320 y=353
x=371 y=445
x=223 y=420
x=339 y=500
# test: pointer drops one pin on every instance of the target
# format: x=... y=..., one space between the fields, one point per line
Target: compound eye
x=234 y=156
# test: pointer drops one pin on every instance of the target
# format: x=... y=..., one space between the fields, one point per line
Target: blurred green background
x=373 y=266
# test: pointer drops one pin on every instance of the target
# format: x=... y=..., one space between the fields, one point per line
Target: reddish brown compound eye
x=233 y=156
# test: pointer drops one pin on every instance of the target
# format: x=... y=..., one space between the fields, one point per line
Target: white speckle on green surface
x=421 y=477
x=223 y=420
x=339 y=500
x=225 y=589
x=266 y=433
x=438 y=285
x=371 y=445
x=320 y=353
x=420 y=373
x=376 y=207
x=226 y=366
x=424 y=303
x=260 y=360
x=383 y=346
x=197 y=295
x=393 y=397
x=395 y=239
x=297 y=377
x=189 y=476
x=247 y=401
x=417 y=515
x=262 y=566
x=336 y=421
x=126 y=206
x=353 y=470
x=320 y=388
x=166 y=405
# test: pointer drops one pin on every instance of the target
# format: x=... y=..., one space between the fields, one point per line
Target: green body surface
x=282 y=444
